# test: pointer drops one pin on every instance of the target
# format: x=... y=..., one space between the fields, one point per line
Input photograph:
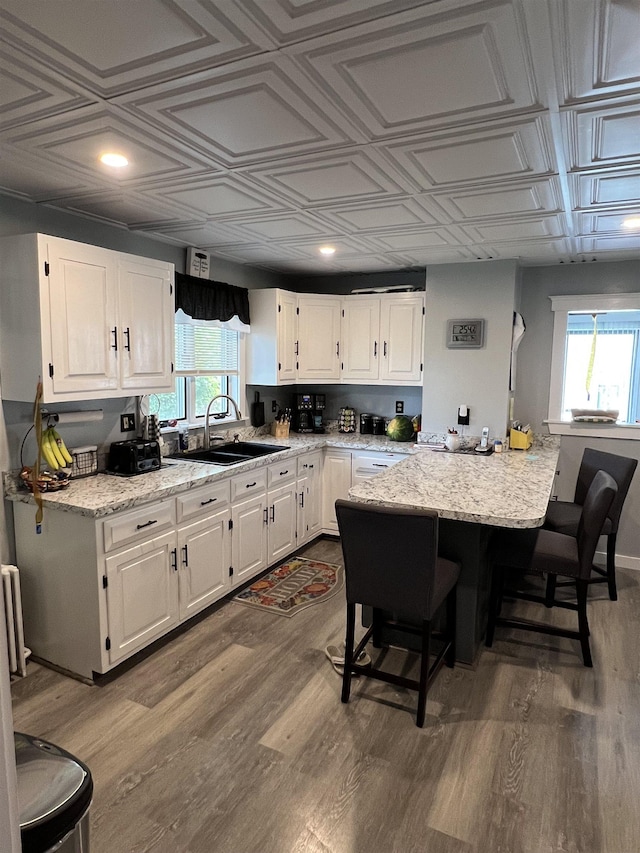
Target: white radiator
x=18 y=653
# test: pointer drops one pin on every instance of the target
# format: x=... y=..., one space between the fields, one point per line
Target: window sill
x=631 y=432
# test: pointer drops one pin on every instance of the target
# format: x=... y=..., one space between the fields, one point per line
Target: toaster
x=135 y=456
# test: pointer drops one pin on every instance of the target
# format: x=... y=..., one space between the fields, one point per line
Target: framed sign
x=465 y=334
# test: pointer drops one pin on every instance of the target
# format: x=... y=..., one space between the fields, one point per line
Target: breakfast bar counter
x=471 y=494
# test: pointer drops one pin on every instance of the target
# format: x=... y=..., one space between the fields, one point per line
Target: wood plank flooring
x=232 y=738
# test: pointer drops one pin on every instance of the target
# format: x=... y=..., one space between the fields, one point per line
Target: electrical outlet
x=274 y=405
x=399 y=407
x=127 y=423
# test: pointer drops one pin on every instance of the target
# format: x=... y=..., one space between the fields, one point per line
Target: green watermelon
x=400 y=428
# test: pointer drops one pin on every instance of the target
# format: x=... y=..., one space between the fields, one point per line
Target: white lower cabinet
x=142 y=595
x=309 y=497
x=204 y=560
x=336 y=482
x=249 y=543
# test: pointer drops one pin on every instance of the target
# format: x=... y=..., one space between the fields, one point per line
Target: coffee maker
x=308 y=413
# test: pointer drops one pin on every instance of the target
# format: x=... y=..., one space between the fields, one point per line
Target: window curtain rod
x=205 y=299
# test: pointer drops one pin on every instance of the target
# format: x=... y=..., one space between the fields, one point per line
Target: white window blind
x=203 y=350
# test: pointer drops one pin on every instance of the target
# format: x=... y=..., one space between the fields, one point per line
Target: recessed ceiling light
x=115 y=160
x=327 y=250
x=631 y=222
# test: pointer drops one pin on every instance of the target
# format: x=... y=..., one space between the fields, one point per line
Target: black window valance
x=204 y=299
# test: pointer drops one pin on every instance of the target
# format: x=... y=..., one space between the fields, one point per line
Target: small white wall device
x=484 y=446
x=463 y=415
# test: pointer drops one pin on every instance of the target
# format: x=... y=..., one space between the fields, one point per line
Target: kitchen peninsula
x=471 y=494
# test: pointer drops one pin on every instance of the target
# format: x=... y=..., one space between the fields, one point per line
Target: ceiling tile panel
x=596 y=46
x=26 y=94
x=289 y=21
x=378 y=216
x=225 y=196
x=119 y=209
x=515 y=230
x=349 y=176
x=506 y=150
x=77 y=141
x=389 y=77
x=419 y=238
x=606 y=223
x=258 y=111
x=503 y=200
x=603 y=136
x=115 y=47
x=606 y=189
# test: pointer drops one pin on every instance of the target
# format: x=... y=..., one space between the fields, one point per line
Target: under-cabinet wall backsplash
x=376 y=400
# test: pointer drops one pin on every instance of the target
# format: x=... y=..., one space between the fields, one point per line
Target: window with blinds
x=206 y=350
x=602 y=363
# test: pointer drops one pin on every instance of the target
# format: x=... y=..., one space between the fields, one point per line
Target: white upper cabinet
x=271 y=346
x=318 y=338
x=91 y=322
x=382 y=339
x=360 y=336
x=146 y=336
x=401 y=332
x=358 y=339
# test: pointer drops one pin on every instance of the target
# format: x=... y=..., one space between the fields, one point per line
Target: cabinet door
x=336 y=482
x=287 y=323
x=282 y=522
x=142 y=595
x=359 y=338
x=146 y=331
x=249 y=538
x=204 y=555
x=401 y=324
x=309 y=497
x=318 y=338
x=82 y=285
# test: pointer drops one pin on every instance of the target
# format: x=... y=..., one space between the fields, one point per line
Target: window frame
x=561 y=306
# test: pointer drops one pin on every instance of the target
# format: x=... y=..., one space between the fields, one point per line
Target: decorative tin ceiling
x=403 y=133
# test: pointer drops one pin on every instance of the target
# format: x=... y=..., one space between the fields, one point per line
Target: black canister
x=366 y=424
x=378 y=425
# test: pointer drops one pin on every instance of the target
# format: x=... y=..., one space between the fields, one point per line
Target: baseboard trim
x=622 y=561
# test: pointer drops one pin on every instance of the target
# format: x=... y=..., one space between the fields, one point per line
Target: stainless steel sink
x=229 y=454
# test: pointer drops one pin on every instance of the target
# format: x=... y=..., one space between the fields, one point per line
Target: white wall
x=478 y=378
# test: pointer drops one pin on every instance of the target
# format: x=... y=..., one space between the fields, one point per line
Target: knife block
x=520 y=440
x=279 y=430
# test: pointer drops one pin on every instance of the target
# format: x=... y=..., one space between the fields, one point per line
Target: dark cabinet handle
x=375 y=349
x=338 y=348
x=250 y=485
x=266 y=515
x=146 y=524
x=210 y=501
x=174 y=559
x=185 y=559
x=282 y=473
x=127 y=334
x=301 y=500
x=385 y=349
x=114 y=332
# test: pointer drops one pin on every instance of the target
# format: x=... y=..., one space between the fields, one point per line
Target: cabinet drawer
x=215 y=496
x=138 y=524
x=245 y=485
x=309 y=463
x=370 y=464
x=281 y=472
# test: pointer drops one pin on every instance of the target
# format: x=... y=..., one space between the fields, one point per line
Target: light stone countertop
x=104 y=494
x=509 y=489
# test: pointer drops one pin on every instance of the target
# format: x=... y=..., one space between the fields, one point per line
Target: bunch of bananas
x=54 y=452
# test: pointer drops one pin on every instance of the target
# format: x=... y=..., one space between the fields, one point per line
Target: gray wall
x=536 y=285
x=478 y=378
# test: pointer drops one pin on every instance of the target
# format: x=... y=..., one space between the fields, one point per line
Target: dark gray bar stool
x=564 y=516
x=543 y=551
x=391 y=564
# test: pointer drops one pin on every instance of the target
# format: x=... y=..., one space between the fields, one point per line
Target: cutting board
x=257 y=412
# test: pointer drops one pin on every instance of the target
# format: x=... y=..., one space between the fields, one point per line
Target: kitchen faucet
x=207 y=435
